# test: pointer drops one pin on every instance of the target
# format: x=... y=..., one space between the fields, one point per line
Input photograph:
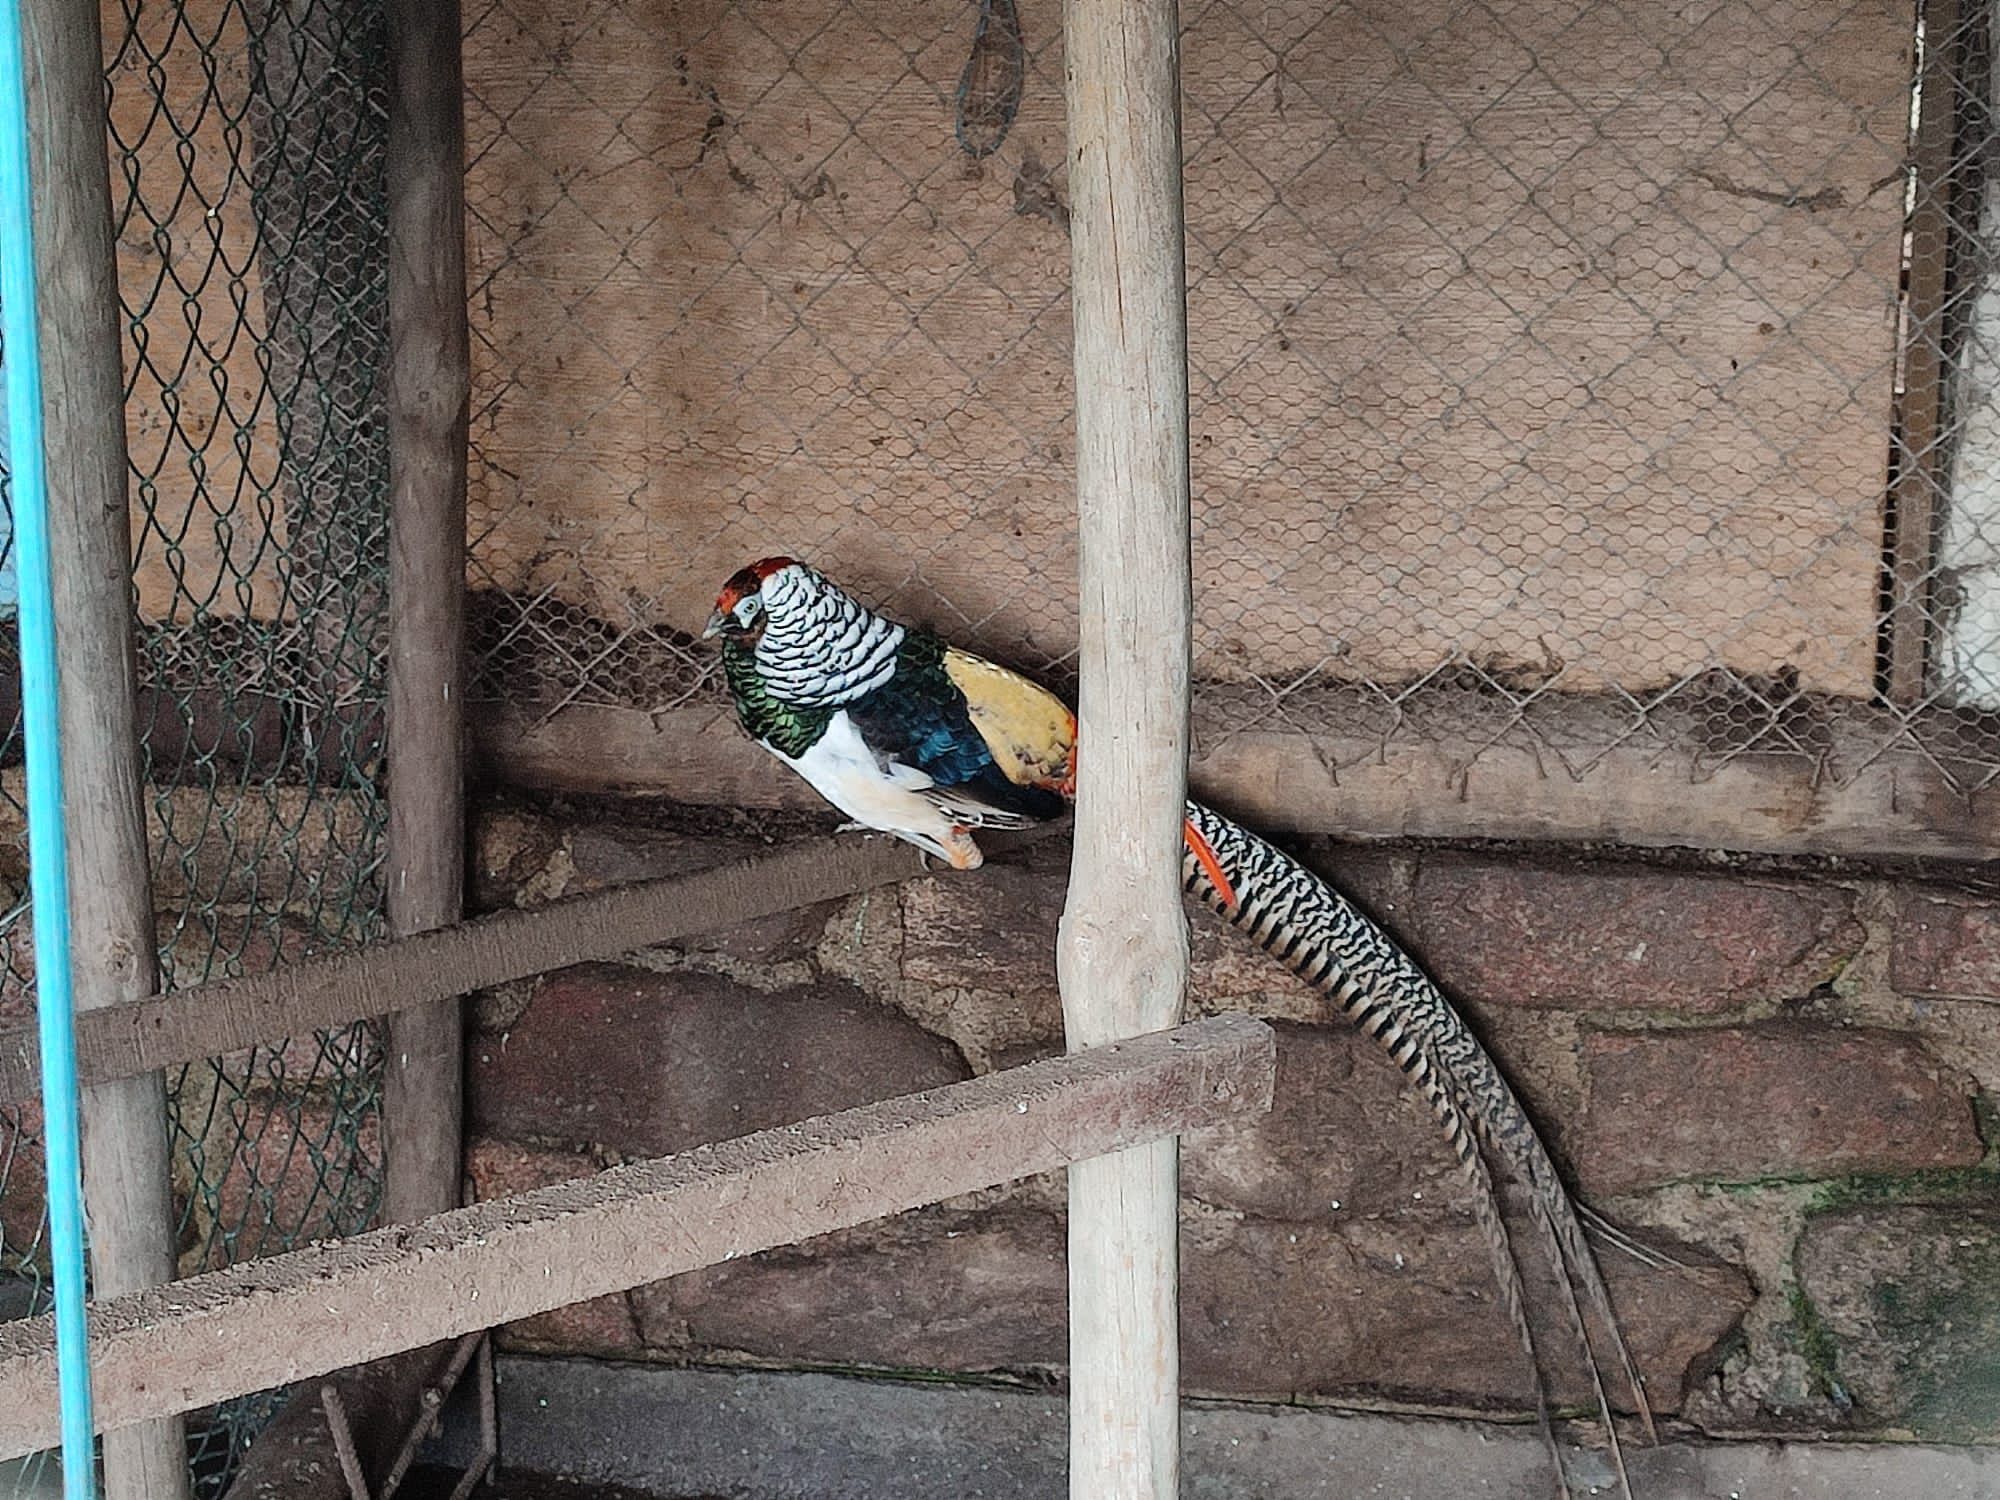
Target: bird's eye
x=746 y=611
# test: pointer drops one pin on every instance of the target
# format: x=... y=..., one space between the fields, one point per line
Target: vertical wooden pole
x=423 y=1083
x=1920 y=459
x=422 y=1103
x=1123 y=951
x=1967 y=670
x=128 y=1196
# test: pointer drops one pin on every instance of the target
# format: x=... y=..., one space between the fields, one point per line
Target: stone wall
x=1775 y=1075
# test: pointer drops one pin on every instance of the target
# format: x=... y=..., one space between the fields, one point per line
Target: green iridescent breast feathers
x=787 y=728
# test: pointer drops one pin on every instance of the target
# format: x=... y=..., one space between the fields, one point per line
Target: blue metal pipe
x=48 y=869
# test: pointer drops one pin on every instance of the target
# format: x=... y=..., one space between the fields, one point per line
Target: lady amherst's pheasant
x=912 y=737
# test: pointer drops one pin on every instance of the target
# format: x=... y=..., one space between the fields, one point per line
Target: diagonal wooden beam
x=270 y=1322
x=336 y=989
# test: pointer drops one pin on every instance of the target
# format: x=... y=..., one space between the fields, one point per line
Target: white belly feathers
x=890 y=798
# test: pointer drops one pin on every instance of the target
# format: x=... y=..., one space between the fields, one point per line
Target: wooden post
x=1921 y=468
x=1966 y=672
x=127 y=1189
x=422 y=1096
x=423 y=1085
x=1123 y=950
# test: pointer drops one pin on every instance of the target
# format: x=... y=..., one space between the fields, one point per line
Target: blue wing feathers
x=918 y=717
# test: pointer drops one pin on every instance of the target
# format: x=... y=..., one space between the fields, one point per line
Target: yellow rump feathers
x=1030 y=732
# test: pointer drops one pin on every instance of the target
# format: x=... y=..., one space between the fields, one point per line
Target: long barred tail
x=1309 y=927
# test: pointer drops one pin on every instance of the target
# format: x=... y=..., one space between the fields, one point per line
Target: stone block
x=1612 y=938
x=1905 y=1305
x=647 y=1063
x=1945 y=945
x=1780 y=1099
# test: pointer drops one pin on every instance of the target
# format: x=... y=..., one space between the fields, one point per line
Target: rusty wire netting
x=246 y=151
x=1572 y=375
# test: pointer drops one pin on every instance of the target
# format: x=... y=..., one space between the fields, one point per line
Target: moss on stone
x=1817 y=1346
x=1898 y=1306
x=1976 y=1185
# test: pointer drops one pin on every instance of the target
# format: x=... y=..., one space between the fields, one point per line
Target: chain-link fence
x=1572 y=375
x=246 y=150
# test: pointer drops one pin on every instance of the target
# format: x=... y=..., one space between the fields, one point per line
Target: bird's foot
x=960 y=852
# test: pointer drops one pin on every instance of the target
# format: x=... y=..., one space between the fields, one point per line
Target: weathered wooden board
x=207 y=520
x=1557 y=336
x=358 y=984
x=341 y=1302
x=1474 y=783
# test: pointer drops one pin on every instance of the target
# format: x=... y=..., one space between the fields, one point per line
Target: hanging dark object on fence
x=989 y=90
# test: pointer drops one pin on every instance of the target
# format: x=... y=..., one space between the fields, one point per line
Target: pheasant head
x=740 y=611
x=805 y=642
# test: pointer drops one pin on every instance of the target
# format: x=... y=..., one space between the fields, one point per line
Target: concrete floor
x=436 y=1483
x=757 y=1436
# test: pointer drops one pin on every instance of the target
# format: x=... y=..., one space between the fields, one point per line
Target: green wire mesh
x=247 y=159
x=246 y=149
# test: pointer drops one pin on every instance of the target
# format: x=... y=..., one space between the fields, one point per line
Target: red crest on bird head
x=746 y=581
x=742 y=584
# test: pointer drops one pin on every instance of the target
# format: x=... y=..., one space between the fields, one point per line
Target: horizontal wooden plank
x=1900 y=806
x=339 y=988
x=1448 y=783
x=269 y=1322
x=693 y=754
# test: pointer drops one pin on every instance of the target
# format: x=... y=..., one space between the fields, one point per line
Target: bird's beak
x=714 y=627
